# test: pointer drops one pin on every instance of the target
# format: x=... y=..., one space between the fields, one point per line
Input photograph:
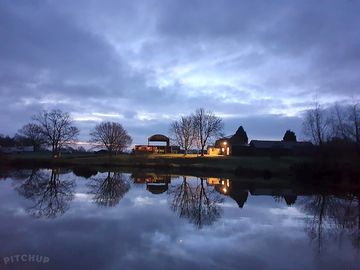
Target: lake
x=84 y=219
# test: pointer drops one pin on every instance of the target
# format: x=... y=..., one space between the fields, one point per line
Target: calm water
x=148 y=221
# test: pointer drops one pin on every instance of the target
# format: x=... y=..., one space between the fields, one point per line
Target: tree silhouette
x=199 y=204
x=207 y=210
x=51 y=195
x=184 y=133
x=183 y=199
x=316 y=124
x=112 y=136
x=110 y=190
x=289 y=136
x=324 y=211
x=57 y=129
x=207 y=126
x=348 y=217
x=31 y=133
x=333 y=217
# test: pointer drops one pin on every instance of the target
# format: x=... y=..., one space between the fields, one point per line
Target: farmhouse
x=231 y=145
x=237 y=145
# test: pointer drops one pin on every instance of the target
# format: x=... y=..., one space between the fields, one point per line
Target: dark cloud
x=144 y=63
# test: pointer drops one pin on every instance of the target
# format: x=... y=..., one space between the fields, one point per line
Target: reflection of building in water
x=224 y=186
x=289 y=195
x=290 y=199
x=240 y=192
x=155 y=183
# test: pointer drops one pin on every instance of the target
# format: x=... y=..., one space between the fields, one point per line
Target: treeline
x=337 y=124
x=196 y=129
x=55 y=130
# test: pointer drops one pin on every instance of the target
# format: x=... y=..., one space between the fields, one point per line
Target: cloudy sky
x=259 y=64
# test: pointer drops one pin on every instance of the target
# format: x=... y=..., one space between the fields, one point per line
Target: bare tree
x=182 y=199
x=315 y=124
x=110 y=190
x=199 y=204
x=51 y=195
x=207 y=126
x=354 y=122
x=339 y=122
x=33 y=134
x=57 y=128
x=184 y=132
x=112 y=136
x=207 y=205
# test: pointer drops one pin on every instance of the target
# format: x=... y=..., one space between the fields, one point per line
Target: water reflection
x=51 y=196
x=155 y=183
x=109 y=190
x=85 y=172
x=332 y=218
x=225 y=187
x=190 y=218
x=200 y=203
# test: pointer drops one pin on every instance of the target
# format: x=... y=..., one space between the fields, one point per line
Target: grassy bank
x=171 y=161
x=331 y=171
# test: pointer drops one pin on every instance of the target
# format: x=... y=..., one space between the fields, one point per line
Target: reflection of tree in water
x=350 y=218
x=199 y=204
x=207 y=205
x=183 y=198
x=332 y=217
x=321 y=209
x=109 y=191
x=50 y=194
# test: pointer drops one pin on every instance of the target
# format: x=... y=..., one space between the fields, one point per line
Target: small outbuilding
x=157 y=143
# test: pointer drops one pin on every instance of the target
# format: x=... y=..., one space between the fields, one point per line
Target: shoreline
x=275 y=170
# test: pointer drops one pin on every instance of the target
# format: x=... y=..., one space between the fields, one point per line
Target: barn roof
x=158 y=138
x=278 y=144
x=157 y=189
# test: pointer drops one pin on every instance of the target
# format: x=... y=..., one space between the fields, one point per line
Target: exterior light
x=225 y=143
x=225 y=190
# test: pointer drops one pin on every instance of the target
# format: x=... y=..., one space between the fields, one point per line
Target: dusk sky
x=259 y=64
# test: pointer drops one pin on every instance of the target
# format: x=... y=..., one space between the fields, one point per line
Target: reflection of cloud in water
x=82 y=197
x=261 y=235
x=146 y=200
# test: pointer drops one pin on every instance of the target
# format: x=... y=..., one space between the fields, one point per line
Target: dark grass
x=173 y=161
